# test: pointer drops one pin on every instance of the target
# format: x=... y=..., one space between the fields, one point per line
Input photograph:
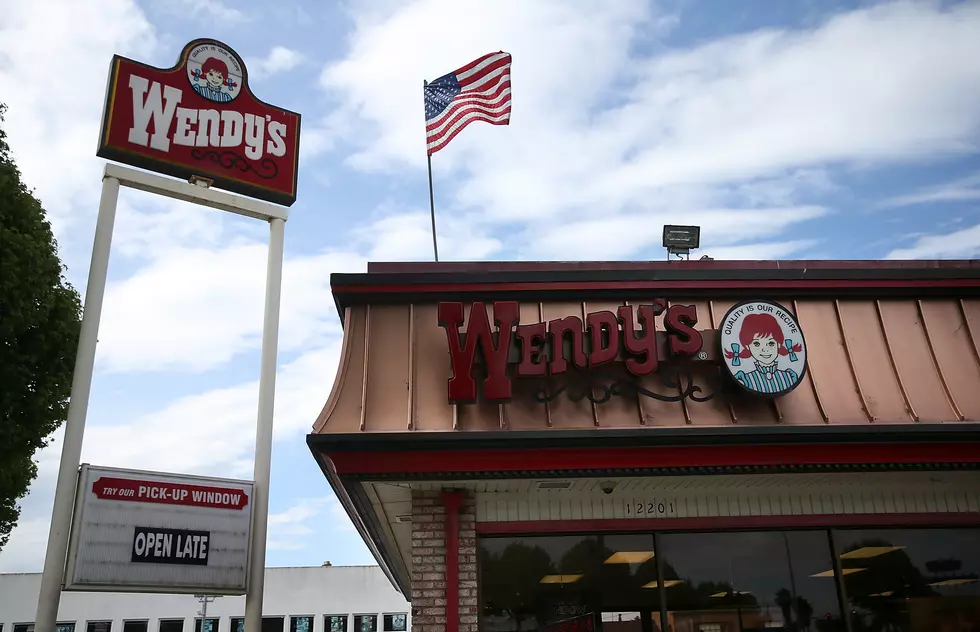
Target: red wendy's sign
x=604 y=337
x=200 y=118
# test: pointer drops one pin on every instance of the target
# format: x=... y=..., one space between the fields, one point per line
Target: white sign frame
x=89 y=475
x=114 y=177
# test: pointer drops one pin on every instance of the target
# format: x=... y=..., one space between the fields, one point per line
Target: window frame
x=161 y=621
x=89 y=622
x=146 y=621
x=292 y=617
x=356 y=628
x=346 y=617
x=384 y=628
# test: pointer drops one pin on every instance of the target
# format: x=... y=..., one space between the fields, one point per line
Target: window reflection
x=532 y=583
x=745 y=581
x=911 y=580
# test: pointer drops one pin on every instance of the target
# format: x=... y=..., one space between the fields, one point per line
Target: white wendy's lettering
x=198 y=127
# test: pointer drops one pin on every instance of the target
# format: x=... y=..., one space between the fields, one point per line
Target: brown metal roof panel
x=827 y=360
x=343 y=408
x=952 y=325
x=869 y=354
x=388 y=368
x=432 y=372
x=910 y=346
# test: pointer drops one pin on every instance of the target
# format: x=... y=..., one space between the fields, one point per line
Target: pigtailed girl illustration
x=761 y=339
x=212 y=81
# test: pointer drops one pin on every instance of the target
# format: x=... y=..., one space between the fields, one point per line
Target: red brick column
x=429 y=538
x=467 y=566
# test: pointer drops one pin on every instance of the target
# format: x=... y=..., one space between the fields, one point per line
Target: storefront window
x=751 y=580
x=911 y=580
x=531 y=583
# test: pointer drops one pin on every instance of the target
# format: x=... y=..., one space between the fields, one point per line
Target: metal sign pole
x=263 y=434
x=81 y=387
x=57 y=549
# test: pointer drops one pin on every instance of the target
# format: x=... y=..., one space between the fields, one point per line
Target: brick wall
x=429 y=563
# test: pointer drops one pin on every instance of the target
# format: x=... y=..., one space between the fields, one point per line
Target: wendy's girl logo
x=763 y=347
x=215 y=73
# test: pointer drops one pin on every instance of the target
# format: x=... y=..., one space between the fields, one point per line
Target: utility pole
x=203 y=612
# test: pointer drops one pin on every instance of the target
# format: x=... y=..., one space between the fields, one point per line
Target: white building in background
x=299 y=599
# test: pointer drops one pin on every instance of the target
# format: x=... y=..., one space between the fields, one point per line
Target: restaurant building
x=695 y=446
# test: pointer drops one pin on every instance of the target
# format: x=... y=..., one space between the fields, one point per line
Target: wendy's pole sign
x=198 y=122
x=199 y=119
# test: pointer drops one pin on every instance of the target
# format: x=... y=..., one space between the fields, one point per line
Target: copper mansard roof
x=887 y=343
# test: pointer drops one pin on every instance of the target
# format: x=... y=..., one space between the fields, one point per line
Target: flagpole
x=432 y=209
x=432 y=200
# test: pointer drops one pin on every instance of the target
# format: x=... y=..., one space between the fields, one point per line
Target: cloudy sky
x=810 y=129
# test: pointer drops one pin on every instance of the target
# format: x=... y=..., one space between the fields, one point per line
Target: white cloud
x=602 y=128
x=959 y=244
x=54 y=61
x=280 y=59
x=24 y=552
x=963 y=189
x=197 y=308
x=608 y=237
x=407 y=236
x=205 y=9
x=755 y=251
x=289 y=529
x=213 y=432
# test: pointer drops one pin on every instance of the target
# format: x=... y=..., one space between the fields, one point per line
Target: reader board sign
x=136 y=531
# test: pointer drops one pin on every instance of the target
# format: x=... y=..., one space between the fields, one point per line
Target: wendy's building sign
x=763 y=347
x=200 y=119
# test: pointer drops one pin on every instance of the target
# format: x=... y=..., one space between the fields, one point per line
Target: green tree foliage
x=39 y=324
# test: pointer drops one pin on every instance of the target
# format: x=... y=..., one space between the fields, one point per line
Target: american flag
x=479 y=91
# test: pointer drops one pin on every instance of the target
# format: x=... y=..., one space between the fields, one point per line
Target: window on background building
x=171 y=625
x=273 y=624
x=23 y=627
x=911 y=580
x=98 y=626
x=365 y=623
x=64 y=627
x=210 y=625
x=335 y=623
x=301 y=624
x=136 y=626
x=750 y=580
x=396 y=622
x=237 y=624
